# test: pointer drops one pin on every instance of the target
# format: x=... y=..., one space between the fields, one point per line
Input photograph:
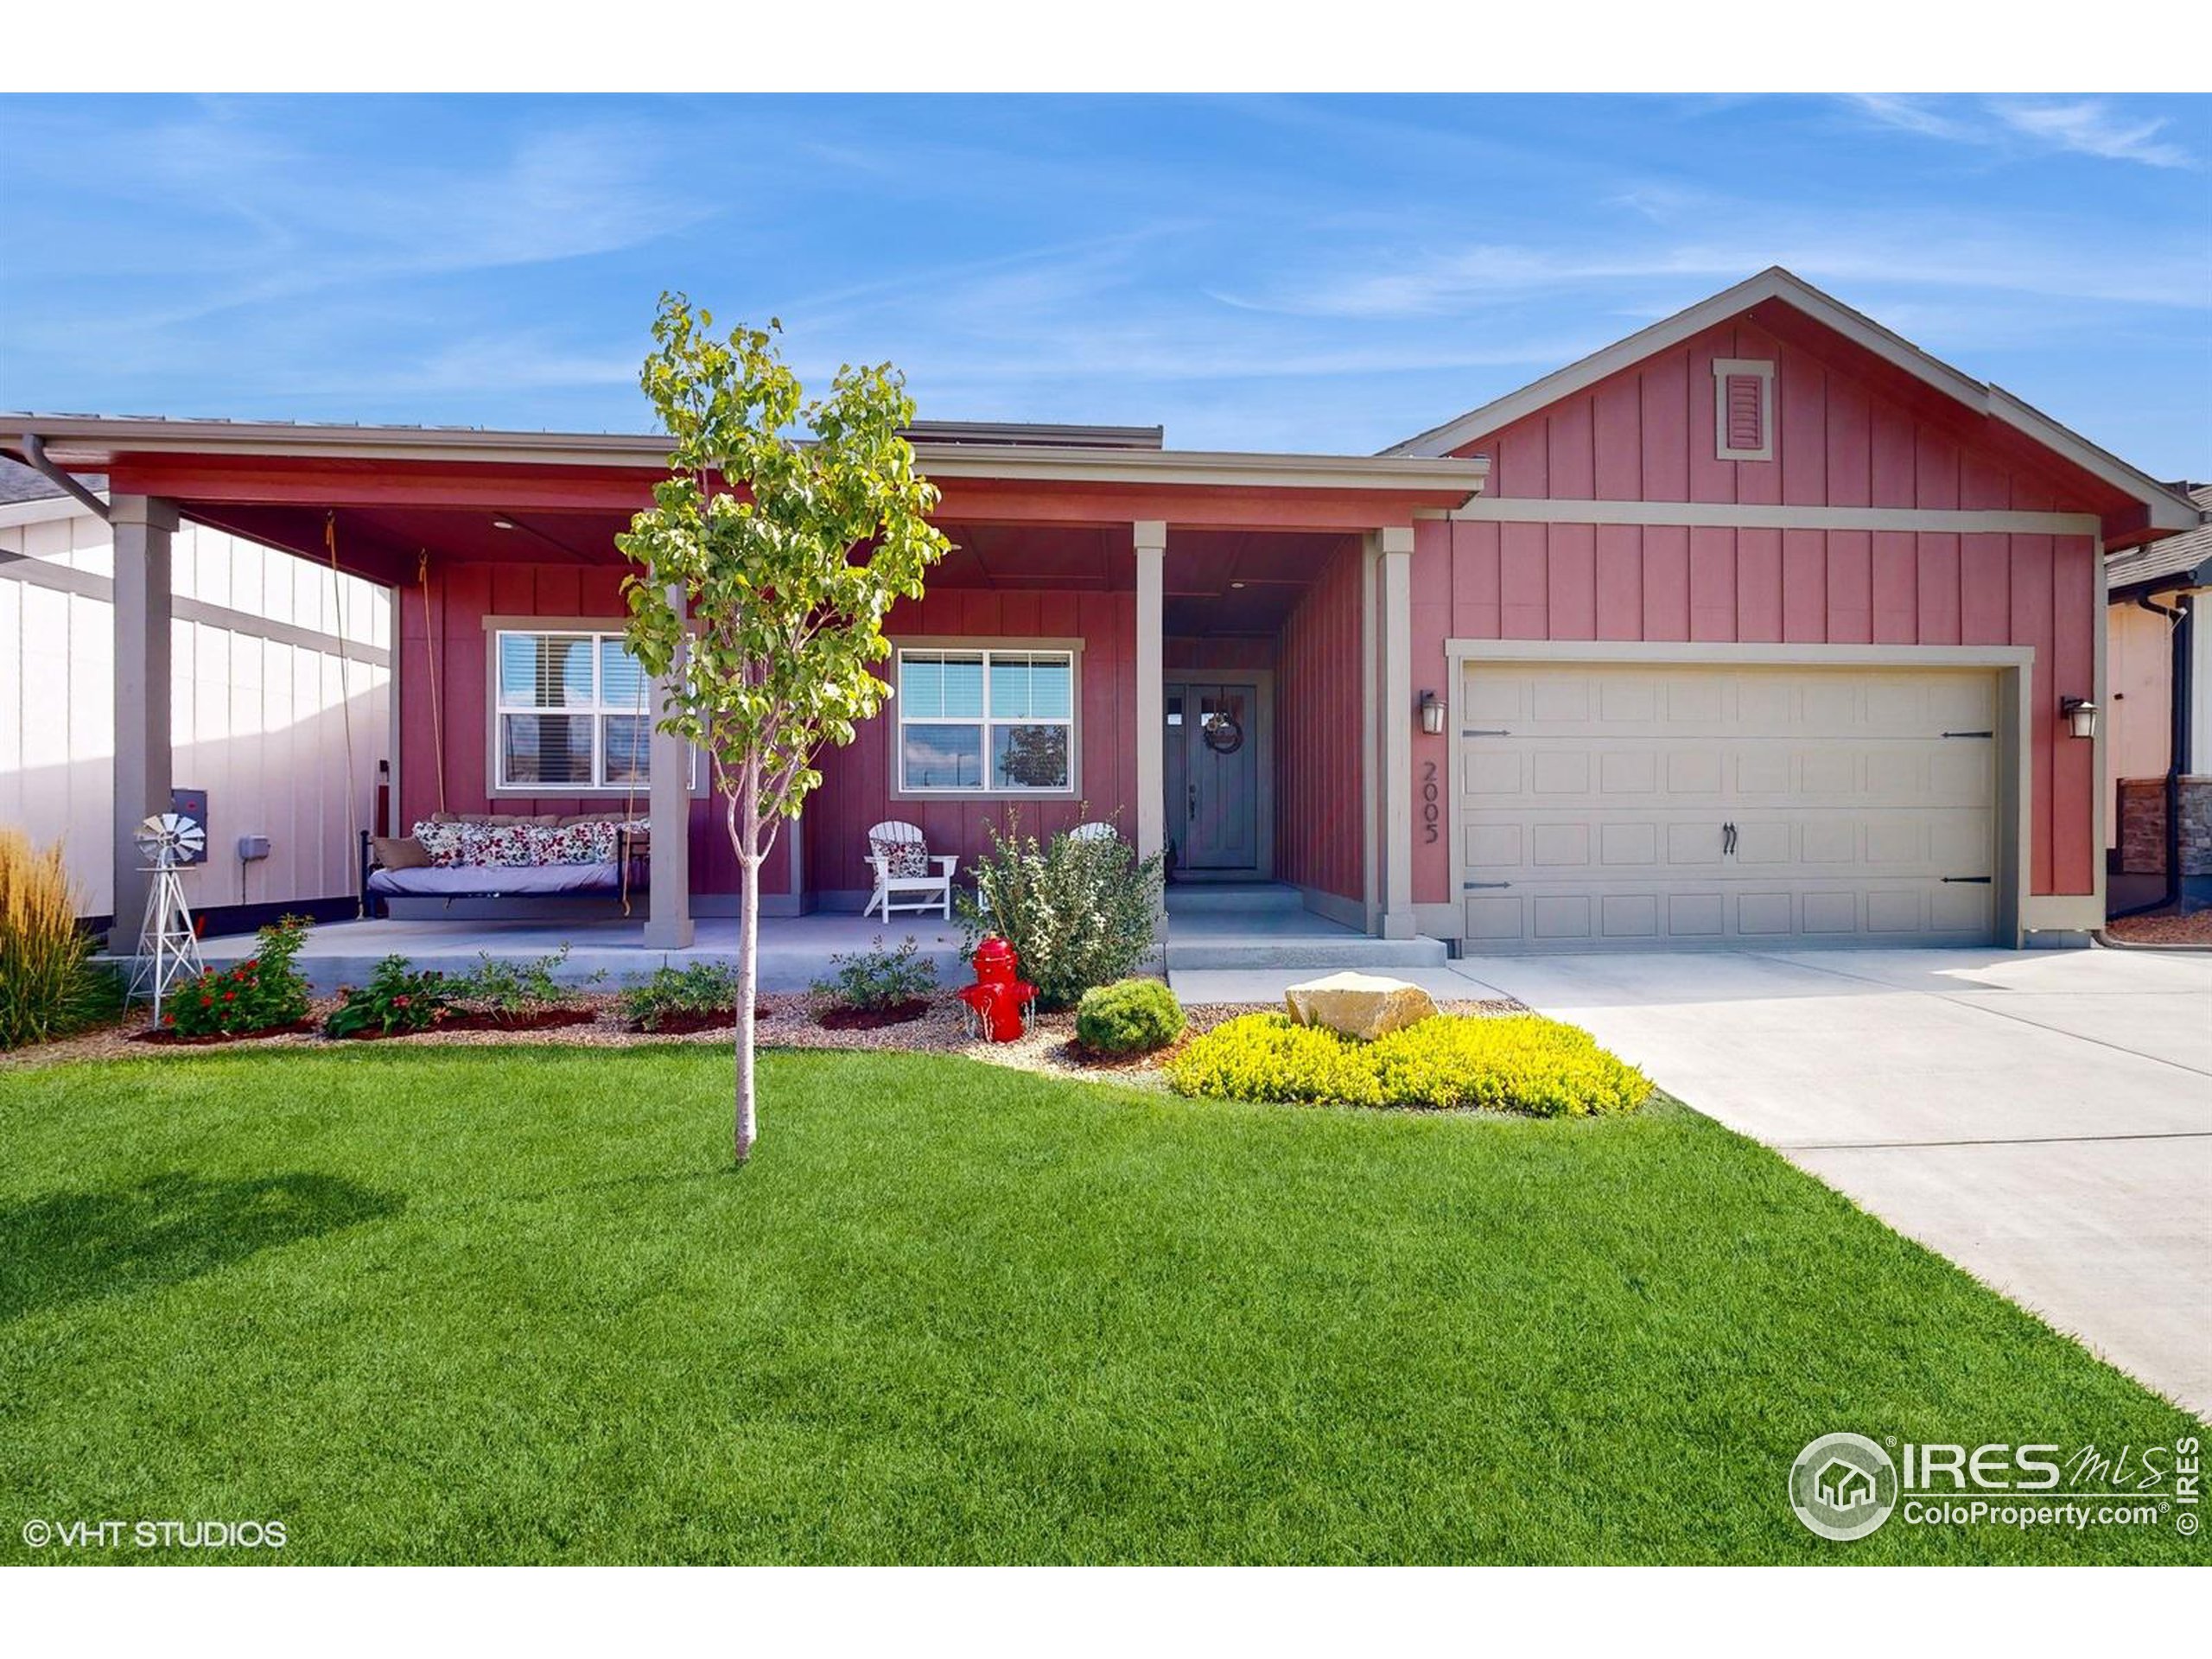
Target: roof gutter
x=36 y=457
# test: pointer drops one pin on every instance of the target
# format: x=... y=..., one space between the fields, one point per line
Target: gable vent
x=1743 y=409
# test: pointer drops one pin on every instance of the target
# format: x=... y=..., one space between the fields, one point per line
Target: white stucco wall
x=257 y=701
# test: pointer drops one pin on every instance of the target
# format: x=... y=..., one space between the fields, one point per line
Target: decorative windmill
x=168 y=949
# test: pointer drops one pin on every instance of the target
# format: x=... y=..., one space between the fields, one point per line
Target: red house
x=1761 y=624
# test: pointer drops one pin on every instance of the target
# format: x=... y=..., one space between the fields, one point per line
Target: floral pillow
x=441 y=841
x=589 y=842
x=900 y=857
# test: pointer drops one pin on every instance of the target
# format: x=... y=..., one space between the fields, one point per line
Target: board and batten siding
x=256 y=696
x=860 y=783
x=1646 y=435
x=1321 y=825
x=461 y=595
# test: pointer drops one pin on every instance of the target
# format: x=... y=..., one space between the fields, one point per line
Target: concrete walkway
x=2043 y=1118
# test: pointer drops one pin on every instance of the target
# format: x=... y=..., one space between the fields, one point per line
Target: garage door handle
x=1482 y=731
x=1969 y=734
x=1728 y=841
x=1970 y=880
x=1469 y=887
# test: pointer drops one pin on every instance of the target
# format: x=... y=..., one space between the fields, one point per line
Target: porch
x=1212 y=649
x=1215 y=939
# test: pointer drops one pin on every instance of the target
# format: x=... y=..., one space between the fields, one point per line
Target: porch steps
x=1266 y=925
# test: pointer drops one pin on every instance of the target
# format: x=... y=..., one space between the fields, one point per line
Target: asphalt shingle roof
x=2175 y=557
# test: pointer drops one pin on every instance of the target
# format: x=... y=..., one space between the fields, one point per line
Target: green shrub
x=516 y=987
x=1519 y=1063
x=1268 y=1057
x=877 y=978
x=263 y=993
x=696 y=988
x=1131 y=1016
x=1078 y=913
x=395 y=1000
x=47 y=988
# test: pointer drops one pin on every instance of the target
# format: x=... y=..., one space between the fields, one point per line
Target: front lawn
x=480 y=1304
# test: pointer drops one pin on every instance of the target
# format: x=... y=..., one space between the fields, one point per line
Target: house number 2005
x=1430 y=811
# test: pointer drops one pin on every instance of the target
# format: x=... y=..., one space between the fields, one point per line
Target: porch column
x=1395 y=547
x=142 y=525
x=1150 y=535
x=668 y=915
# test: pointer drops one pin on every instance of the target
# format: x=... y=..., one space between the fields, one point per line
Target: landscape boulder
x=1365 y=1006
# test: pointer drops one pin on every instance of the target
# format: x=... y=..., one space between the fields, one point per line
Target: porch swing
x=489 y=857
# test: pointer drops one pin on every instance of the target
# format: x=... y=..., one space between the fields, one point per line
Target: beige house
x=271 y=657
x=2158 y=751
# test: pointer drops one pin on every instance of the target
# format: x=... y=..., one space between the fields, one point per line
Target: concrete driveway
x=2043 y=1118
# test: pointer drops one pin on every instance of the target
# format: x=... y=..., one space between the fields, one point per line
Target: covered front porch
x=1230 y=634
x=1215 y=941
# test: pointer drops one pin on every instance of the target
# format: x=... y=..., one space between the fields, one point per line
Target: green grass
x=478 y=1305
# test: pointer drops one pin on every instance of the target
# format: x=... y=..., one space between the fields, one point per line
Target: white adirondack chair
x=916 y=895
x=1095 y=830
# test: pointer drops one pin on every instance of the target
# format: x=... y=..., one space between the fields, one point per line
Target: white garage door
x=1635 y=807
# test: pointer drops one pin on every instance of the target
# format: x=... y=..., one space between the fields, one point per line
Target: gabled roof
x=2178 y=562
x=2168 y=511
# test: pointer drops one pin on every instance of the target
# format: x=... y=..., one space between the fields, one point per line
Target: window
x=986 y=721
x=571 y=712
x=1743 y=409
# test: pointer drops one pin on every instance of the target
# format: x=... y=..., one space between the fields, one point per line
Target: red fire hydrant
x=999 y=1005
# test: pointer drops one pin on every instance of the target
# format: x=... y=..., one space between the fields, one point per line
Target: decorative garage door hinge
x=1970 y=880
x=1471 y=886
x=1969 y=734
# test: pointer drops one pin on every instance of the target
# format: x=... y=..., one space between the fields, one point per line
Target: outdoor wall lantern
x=2080 y=715
x=1432 y=713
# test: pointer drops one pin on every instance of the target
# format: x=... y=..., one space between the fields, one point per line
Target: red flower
x=207 y=1001
x=169 y=1018
x=401 y=1002
x=230 y=996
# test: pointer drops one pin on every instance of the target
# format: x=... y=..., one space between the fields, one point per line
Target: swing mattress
x=495 y=881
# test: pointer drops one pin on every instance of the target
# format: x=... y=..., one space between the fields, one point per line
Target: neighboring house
x=2161 y=668
x=254 y=695
x=1753 y=627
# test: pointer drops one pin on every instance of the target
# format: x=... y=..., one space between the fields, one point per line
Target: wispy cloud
x=2091 y=128
x=2085 y=126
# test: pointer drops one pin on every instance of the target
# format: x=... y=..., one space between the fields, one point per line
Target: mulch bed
x=485 y=1020
x=685 y=1024
x=2166 y=928
x=898 y=1013
x=524 y=1019
x=165 y=1038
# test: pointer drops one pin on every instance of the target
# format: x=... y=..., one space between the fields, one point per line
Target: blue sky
x=1328 y=273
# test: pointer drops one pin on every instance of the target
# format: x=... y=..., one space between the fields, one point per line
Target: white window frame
x=1723 y=369
x=496 y=630
x=988 y=790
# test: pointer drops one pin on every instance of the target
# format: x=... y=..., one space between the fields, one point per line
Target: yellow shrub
x=1521 y=1063
x=42 y=953
x=1265 y=1056
x=1518 y=1062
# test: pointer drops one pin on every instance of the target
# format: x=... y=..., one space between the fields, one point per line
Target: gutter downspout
x=2181 y=618
x=35 y=453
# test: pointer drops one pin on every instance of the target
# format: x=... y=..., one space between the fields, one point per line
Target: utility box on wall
x=192 y=804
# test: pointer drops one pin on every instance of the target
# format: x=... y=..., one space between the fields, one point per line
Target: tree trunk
x=748 y=955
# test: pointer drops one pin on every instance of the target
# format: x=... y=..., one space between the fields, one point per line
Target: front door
x=1213 y=776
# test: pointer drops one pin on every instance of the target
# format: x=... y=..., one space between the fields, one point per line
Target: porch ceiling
x=1218 y=581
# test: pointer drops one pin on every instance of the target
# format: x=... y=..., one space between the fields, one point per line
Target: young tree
x=766 y=565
